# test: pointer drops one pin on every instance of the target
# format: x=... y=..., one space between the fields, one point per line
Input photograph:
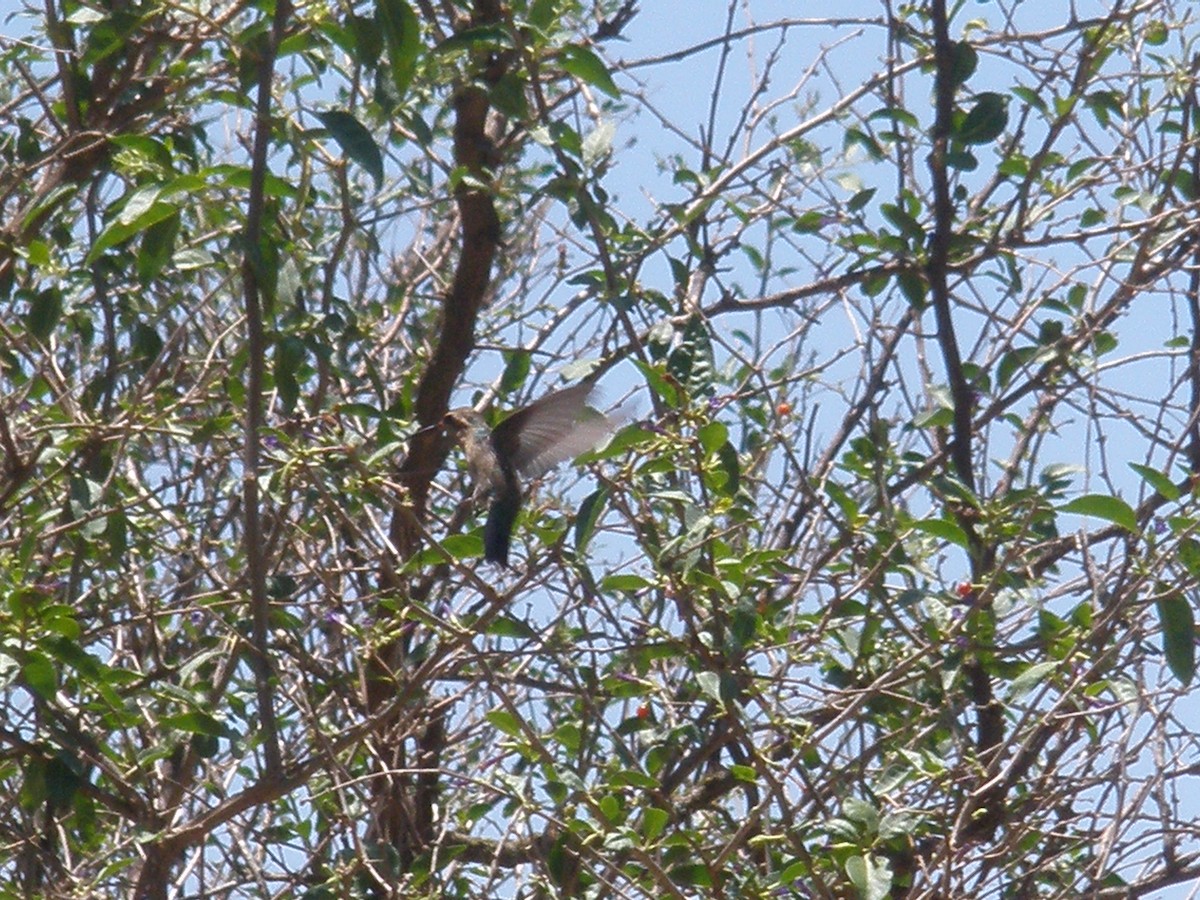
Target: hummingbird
x=526 y=444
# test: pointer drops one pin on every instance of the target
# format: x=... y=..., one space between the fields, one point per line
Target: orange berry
x=964 y=589
x=784 y=408
x=643 y=711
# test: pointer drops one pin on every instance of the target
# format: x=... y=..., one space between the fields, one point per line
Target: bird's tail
x=497 y=531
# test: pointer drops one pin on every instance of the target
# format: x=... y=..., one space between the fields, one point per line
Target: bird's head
x=460 y=422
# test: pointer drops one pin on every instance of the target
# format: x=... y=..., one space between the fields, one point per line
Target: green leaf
x=962 y=160
x=1106 y=104
x=965 y=61
x=1012 y=362
x=1032 y=97
x=158 y=243
x=368 y=38
x=508 y=96
x=356 y=142
x=1155 y=33
x=695 y=874
x=654 y=820
x=811 y=222
x=871 y=876
x=1030 y=678
x=543 y=14
x=692 y=362
x=38 y=672
x=629 y=436
x=1188 y=553
x=1157 y=480
x=712 y=435
x=847 y=504
x=480 y=37
x=507 y=626
x=289 y=356
x=626 y=583
x=505 y=722
x=590 y=511
x=656 y=379
x=944 y=529
x=45 y=309
x=906 y=224
x=1102 y=506
x=902 y=823
x=402 y=35
x=859 y=810
x=914 y=288
x=597 y=144
x=588 y=68
x=463 y=546
x=710 y=685
x=855 y=136
x=1178 y=634
x=145 y=343
x=731 y=465
x=860 y=199
x=875 y=284
x=986 y=120
x=1186 y=183
x=792 y=873
x=197 y=722
x=144 y=208
x=516 y=370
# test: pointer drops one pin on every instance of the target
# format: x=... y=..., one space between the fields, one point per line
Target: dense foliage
x=885 y=586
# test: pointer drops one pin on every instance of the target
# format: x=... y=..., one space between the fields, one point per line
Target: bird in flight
x=526 y=444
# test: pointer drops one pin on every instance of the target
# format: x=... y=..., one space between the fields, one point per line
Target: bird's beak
x=439 y=425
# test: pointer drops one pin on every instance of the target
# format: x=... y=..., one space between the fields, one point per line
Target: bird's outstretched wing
x=556 y=427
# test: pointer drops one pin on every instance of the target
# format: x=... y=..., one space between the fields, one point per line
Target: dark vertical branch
x=1193 y=292
x=405 y=808
x=939 y=250
x=256 y=563
x=480 y=232
x=893 y=55
x=989 y=723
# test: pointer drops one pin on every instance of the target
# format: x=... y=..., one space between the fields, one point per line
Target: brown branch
x=252 y=261
x=405 y=814
x=936 y=269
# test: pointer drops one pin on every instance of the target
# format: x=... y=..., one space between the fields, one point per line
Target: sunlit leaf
x=589 y=68
x=1102 y=506
x=1178 y=622
x=1157 y=480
